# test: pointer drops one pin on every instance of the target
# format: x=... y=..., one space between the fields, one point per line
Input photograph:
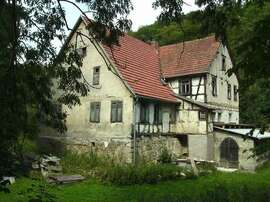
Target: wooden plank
x=63 y=179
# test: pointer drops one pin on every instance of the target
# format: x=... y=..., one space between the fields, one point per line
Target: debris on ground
x=65 y=179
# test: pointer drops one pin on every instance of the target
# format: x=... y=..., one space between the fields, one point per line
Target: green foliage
x=30 y=65
x=173 y=32
x=83 y=163
x=165 y=156
x=240 y=187
x=140 y=174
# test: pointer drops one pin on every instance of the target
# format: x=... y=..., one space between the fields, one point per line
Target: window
x=185 y=87
x=82 y=52
x=229 y=89
x=235 y=91
x=95 y=112
x=202 y=115
x=219 y=116
x=214 y=85
x=173 y=115
x=157 y=114
x=116 y=111
x=230 y=117
x=223 y=68
x=96 y=73
x=144 y=113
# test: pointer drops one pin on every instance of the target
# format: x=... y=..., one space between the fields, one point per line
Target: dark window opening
x=223 y=63
x=229 y=91
x=183 y=139
x=82 y=51
x=185 y=87
x=157 y=114
x=230 y=117
x=96 y=75
x=173 y=115
x=144 y=113
x=214 y=85
x=235 y=92
x=116 y=111
x=95 y=112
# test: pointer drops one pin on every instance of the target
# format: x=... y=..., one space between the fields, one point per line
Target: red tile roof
x=138 y=63
x=191 y=58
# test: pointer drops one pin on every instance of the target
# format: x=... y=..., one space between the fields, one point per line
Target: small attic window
x=223 y=67
x=82 y=51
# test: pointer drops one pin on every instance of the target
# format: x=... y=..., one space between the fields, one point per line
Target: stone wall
x=245 y=160
x=150 y=148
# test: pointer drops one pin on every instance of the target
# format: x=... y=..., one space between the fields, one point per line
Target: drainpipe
x=134 y=128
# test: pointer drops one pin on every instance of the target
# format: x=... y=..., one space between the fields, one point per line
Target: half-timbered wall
x=197 y=89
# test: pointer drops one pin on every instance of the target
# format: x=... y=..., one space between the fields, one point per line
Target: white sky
x=143 y=13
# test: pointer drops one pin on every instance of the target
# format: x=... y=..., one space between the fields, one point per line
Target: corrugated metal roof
x=247 y=132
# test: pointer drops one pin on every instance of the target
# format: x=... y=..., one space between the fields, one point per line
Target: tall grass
x=106 y=170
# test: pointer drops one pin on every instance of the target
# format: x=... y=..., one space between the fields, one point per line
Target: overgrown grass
x=216 y=187
x=105 y=170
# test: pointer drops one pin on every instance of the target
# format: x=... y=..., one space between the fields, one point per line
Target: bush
x=165 y=156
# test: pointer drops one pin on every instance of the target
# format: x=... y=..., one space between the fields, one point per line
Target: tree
x=29 y=64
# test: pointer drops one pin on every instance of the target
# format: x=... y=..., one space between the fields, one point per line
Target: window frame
x=223 y=63
x=214 y=85
x=229 y=91
x=235 y=93
x=157 y=114
x=144 y=113
x=119 y=106
x=202 y=118
x=185 y=82
x=93 y=106
x=96 y=75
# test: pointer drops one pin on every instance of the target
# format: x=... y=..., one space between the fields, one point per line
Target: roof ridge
x=189 y=41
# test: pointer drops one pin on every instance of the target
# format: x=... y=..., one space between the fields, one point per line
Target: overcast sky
x=143 y=13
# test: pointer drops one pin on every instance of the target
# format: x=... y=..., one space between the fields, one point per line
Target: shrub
x=165 y=156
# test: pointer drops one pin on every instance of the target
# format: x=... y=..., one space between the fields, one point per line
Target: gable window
x=82 y=52
x=214 y=85
x=229 y=89
x=202 y=115
x=223 y=67
x=96 y=75
x=157 y=114
x=185 y=87
x=235 y=92
x=95 y=112
x=116 y=111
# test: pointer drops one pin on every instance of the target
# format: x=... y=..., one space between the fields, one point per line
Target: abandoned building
x=147 y=98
